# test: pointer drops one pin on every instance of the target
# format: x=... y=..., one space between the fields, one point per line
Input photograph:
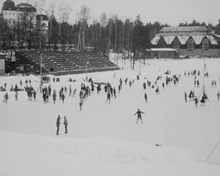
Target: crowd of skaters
x=88 y=88
x=85 y=90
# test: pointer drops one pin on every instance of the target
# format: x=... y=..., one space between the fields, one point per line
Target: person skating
x=54 y=96
x=80 y=104
x=16 y=95
x=34 y=93
x=145 y=96
x=65 y=124
x=218 y=96
x=108 y=97
x=196 y=101
x=58 y=124
x=139 y=112
x=6 y=97
x=185 y=96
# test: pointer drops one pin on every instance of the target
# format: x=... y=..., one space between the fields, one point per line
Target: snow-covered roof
x=155 y=40
x=212 y=40
x=169 y=39
x=162 y=49
x=183 y=39
x=184 y=29
x=198 y=39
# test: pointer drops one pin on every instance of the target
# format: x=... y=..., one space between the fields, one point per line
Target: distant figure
x=54 y=96
x=16 y=95
x=108 y=97
x=139 y=115
x=145 y=96
x=196 y=101
x=58 y=124
x=80 y=104
x=218 y=96
x=185 y=96
x=34 y=93
x=65 y=124
x=6 y=97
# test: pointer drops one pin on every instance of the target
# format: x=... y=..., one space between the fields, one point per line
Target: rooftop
x=184 y=29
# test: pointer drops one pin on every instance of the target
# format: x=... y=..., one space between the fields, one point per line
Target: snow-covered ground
x=104 y=139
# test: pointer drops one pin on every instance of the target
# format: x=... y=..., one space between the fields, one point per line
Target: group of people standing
x=65 y=123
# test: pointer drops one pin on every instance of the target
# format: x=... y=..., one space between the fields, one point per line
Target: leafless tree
x=83 y=15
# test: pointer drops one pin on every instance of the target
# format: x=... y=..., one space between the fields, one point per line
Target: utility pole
x=41 y=64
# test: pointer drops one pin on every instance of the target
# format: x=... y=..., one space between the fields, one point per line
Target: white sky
x=172 y=12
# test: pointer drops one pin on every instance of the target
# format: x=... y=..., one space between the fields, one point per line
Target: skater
x=108 y=97
x=196 y=101
x=16 y=95
x=80 y=104
x=145 y=96
x=34 y=93
x=65 y=124
x=139 y=115
x=218 y=96
x=58 y=124
x=54 y=97
x=185 y=96
x=6 y=97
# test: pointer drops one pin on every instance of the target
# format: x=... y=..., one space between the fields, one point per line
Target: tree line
x=104 y=34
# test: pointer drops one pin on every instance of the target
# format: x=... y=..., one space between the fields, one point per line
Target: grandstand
x=60 y=62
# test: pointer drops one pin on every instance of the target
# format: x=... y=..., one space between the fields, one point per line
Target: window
x=190 y=44
x=205 y=44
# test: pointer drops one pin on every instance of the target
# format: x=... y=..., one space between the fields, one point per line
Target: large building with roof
x=24 y=14
x=188 y=40
x=14 y=13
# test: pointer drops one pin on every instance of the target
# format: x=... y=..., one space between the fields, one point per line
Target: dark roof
x=9 y=5
x=41 y=17
x=26 y=7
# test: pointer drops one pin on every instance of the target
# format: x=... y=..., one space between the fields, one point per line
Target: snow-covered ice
x=103 y=138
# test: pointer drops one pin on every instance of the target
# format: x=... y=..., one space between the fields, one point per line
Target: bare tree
x=63 y=13
x=50 y=14
x=83 y=15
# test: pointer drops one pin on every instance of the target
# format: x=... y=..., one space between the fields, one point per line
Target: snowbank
x=34 y=155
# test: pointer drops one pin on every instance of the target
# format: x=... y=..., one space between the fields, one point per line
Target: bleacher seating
x=58 y=62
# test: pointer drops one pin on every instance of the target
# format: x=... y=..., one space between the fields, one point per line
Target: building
x=43 y=25
x=28 y=28
x=13 y=14
x=2 y=63
x=162 y=53
x=188 y=40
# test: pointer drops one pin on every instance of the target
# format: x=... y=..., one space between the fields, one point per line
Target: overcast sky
x=171 y=12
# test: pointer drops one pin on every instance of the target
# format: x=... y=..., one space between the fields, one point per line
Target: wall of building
x=200 y=52
x=2 y=66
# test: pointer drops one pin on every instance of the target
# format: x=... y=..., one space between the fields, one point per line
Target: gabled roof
x=169 y=39
x=212 y=40
x=183 y=39
x=155 y=40
x=198 y=39
x=216 y=36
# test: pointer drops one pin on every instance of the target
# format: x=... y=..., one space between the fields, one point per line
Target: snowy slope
x=38 y=155
x=104 y=139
